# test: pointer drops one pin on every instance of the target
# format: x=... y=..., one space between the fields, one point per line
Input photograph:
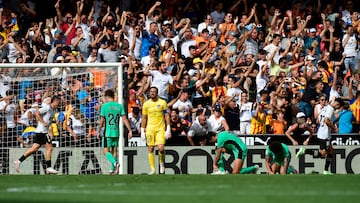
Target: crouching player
x=229 y=143
x=277 y=159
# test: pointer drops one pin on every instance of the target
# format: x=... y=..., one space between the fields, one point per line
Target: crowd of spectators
x=245 y=66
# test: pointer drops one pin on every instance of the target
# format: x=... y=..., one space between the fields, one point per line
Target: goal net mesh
x=81 y=89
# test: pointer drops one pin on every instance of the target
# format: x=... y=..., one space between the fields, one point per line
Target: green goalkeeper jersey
x=279 y=157
x=230 y=142
x=112 y=111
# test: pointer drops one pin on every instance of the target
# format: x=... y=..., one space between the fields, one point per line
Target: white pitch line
x=175 y=192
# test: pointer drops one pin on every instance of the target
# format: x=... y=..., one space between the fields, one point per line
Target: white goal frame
x=87 y=65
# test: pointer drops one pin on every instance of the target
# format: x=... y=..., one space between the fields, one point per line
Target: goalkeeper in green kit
x=277 y=159
x=229 y=143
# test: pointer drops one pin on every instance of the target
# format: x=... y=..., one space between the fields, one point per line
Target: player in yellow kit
x=155 y=116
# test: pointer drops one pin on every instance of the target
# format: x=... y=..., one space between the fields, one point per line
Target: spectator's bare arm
x=290 y=19
x=58 y=12
x=91 y=13
x=273 y=21
x=24 y=8
x=79 y=8
x=17 y=46
x=152 y=9
x=118 y=17
x=106 y=15
x=234 y=7
x=331 y=46
x=322 y=33
x=350 y=86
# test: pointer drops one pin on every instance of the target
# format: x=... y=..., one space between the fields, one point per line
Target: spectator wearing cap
x=217 y=121
x=314 y=40
x=205 y=37
x=295 y=132
x=57 y=71
x=309 y=65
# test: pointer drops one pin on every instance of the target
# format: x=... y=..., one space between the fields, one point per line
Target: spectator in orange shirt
x=278 y=126
x=132 y=101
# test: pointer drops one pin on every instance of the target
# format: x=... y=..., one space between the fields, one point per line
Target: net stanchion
x=26 y=88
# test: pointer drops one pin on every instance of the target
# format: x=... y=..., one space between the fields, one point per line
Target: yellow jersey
x=355 y=108
x=155 y=111
x=258 y=125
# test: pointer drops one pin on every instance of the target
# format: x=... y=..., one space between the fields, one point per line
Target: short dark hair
x=54 y=98
x=275 y=147
x=110 y=93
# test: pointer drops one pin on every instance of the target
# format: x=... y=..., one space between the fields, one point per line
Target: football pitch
x=180 y=188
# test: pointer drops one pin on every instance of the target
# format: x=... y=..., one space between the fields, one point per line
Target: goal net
x=25 y=87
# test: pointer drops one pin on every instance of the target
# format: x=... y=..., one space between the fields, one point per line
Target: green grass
x=180 y=188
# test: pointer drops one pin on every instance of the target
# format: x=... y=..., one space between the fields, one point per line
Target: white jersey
x=216 y=124
x=197 y=129
x=350 y=47
x=183 y=107
x=77 y=126
x=245 y=112
x=10 y=115
x=161 y=81
x=324 y=132
x=234 y=91
x=47 y=114
x=24 y=119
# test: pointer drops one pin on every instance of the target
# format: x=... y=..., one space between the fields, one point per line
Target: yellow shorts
x=155 y=136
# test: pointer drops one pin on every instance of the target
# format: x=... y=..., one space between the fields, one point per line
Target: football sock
x=111 y=158
x=22 y=158
x=315 y=153
x=151 y=158
x=247 y=170
x=48 y=163
x=328 y=161
x=161 y=156
x=221 y=164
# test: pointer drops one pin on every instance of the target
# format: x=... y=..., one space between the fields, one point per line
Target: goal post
x=115 y=72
